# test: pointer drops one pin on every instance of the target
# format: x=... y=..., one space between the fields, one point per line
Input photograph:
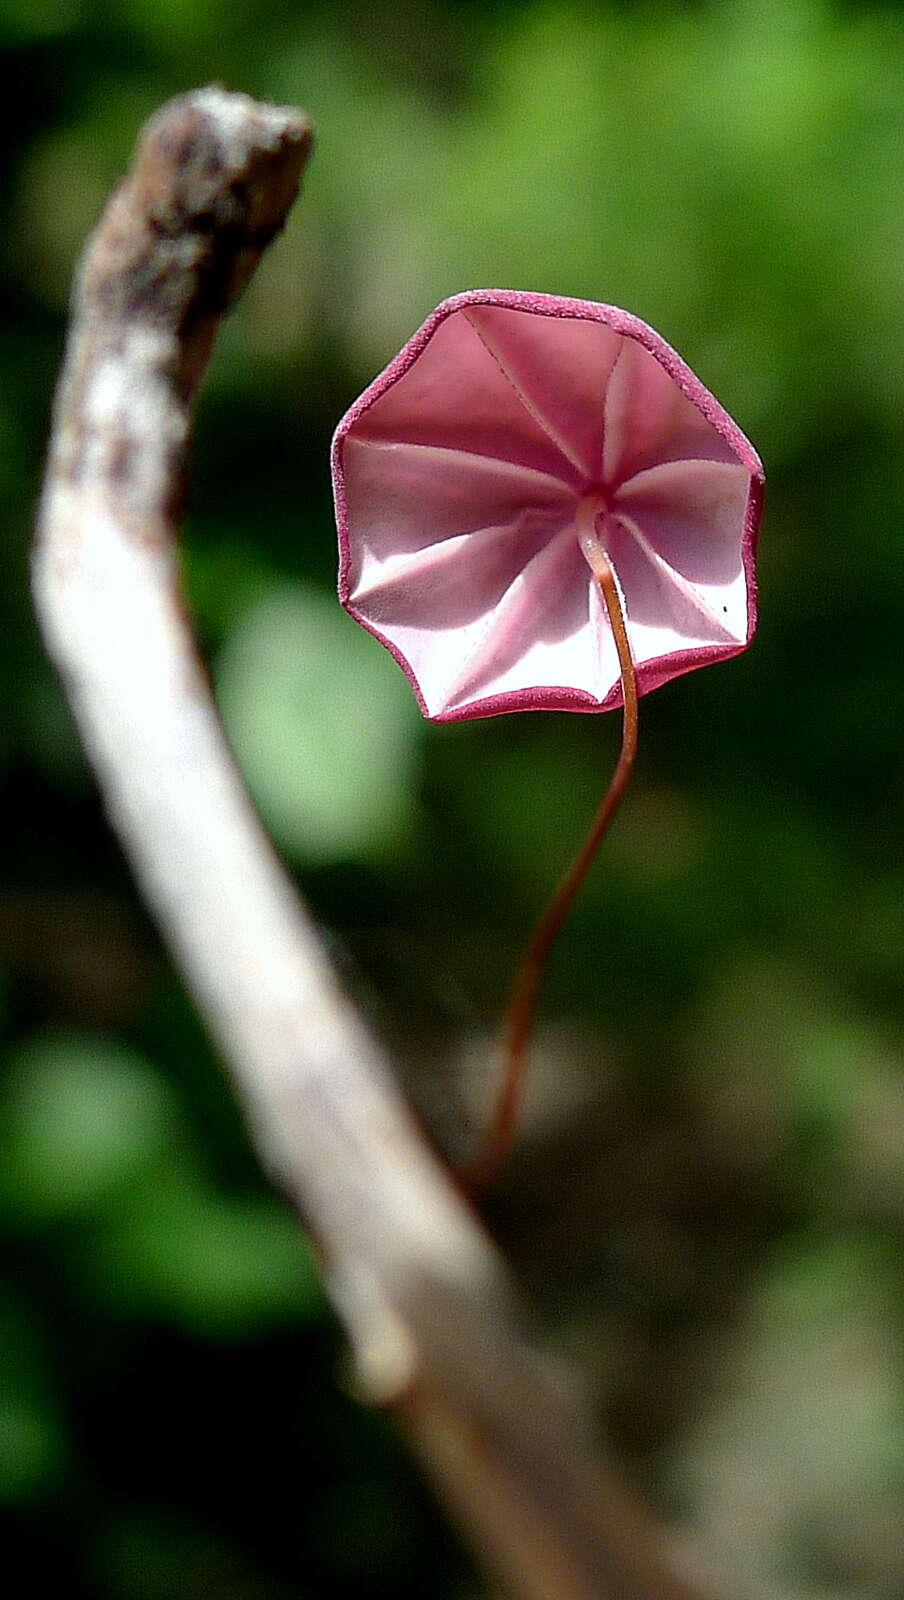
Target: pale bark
x=425 y=1300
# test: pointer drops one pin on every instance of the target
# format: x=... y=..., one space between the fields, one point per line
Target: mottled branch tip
x=212 y=181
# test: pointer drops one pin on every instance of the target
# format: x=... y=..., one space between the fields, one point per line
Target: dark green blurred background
x=708 y=1205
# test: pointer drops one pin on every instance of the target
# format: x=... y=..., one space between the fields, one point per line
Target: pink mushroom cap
x=457 y=478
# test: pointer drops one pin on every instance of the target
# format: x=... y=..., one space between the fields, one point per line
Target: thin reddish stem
x=501 y=1129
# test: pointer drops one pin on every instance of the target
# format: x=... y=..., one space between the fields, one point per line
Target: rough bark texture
x=426 y=1302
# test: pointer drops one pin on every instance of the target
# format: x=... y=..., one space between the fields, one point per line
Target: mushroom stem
x=500 y=1131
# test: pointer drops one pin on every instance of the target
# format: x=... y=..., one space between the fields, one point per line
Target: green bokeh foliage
x=709 y=1203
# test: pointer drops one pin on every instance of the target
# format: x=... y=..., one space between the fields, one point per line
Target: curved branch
x=426 y=1302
